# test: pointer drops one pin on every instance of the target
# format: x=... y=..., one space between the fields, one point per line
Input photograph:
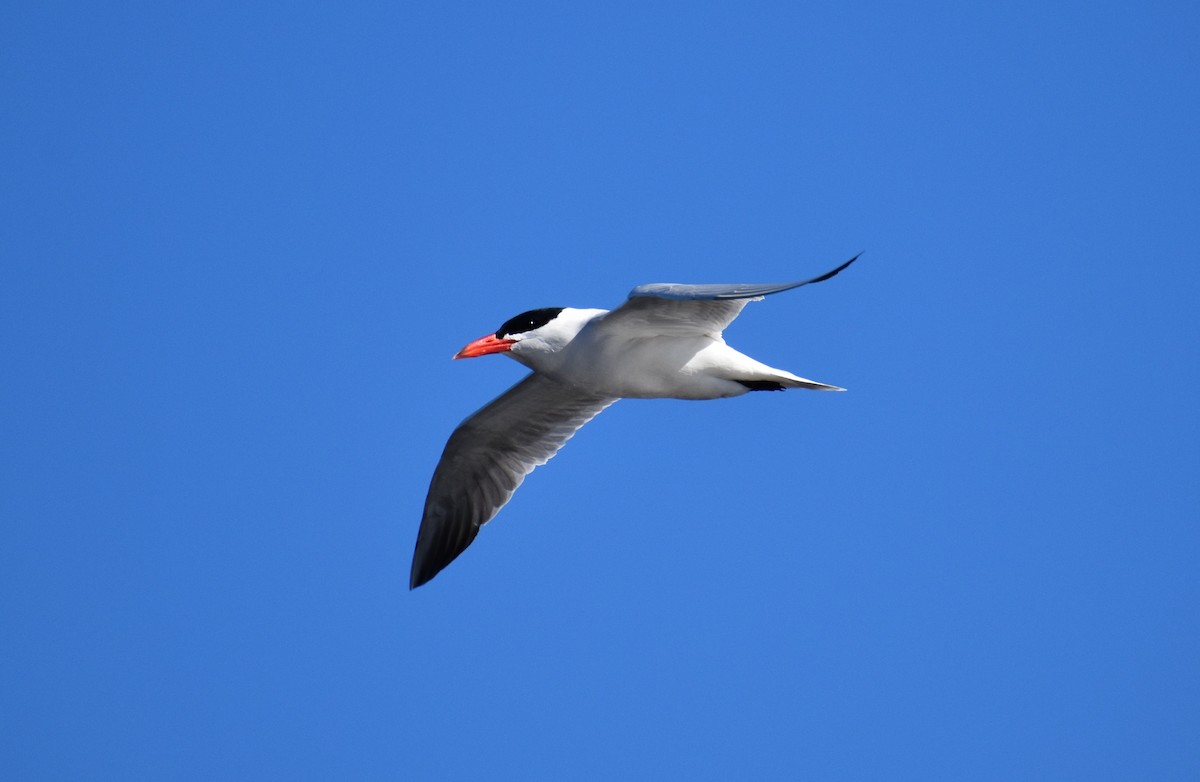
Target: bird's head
x=532 y=335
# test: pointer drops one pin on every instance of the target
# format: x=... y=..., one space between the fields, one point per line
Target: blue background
x=241 y=241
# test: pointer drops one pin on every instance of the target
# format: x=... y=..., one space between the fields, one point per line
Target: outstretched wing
x=675 y=309
x=487 y=458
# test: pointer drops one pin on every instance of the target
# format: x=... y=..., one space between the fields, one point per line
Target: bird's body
x=620 y=366
x=664 y=342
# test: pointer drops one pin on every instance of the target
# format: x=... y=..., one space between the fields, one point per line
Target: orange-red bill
x=484 y=345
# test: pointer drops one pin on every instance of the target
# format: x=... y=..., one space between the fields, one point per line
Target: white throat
x=539 y=349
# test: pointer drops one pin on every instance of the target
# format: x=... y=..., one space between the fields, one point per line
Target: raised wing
x=675 y=309
x=487 y=458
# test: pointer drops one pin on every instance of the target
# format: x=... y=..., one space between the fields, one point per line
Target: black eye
x=528 y=321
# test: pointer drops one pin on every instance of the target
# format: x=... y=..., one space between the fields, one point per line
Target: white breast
x=649 y=367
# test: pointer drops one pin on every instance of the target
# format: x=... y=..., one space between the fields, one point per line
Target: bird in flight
x=663 y=342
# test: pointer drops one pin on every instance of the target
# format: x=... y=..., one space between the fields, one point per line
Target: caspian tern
x=663 y=342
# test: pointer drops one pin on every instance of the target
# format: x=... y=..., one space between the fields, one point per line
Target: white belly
x=653 y=367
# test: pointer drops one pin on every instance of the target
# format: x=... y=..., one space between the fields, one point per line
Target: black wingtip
x=423 y=571
x=420 y=577
x=833 y=273
x=437 y=546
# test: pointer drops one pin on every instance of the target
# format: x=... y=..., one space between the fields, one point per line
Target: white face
x=543 y=341
x=533 y=337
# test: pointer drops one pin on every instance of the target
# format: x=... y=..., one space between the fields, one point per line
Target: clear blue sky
x=241 y=241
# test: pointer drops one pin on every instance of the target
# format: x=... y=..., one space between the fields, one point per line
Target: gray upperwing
x=677 y=309
x=683 y=292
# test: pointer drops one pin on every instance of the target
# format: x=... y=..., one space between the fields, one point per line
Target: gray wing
x=487 y=458
x=675 y=309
